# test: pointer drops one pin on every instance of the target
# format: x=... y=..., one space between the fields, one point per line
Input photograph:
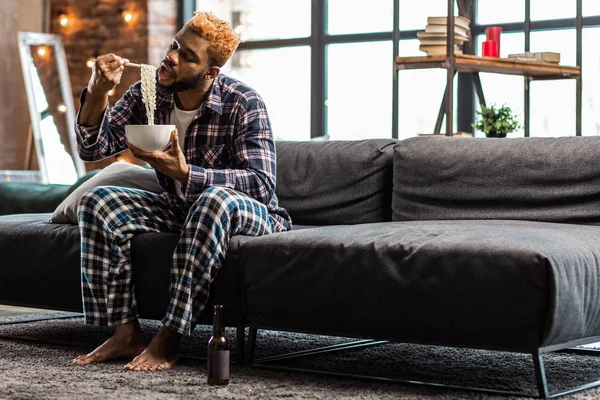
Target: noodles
x=149 y=91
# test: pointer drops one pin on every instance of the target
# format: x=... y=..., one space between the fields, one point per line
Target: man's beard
x=181 y=86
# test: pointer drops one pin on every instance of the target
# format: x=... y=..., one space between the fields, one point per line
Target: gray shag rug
x=35 y=369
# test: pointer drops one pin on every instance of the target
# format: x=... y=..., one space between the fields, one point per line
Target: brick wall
x=97 y=27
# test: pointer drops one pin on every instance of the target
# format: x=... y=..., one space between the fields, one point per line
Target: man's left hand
x=170 y=162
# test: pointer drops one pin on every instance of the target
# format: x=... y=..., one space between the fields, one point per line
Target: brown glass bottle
x=218 y=351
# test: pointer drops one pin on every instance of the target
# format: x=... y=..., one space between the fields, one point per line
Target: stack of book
x=433 y=39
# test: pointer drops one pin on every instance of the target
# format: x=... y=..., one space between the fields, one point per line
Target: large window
x=327 y=68
x=345 y=94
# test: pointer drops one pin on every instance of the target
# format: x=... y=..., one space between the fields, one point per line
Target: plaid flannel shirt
x=229 y=142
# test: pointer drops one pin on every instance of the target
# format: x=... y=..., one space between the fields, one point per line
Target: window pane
x=496 y=12
x=591 y=82
x=552 y=9
x=420 y=96
x=559 y=41
x=591 y=8
x=262 y=19
x=552 y=108
x=354 y=16
x=553 y=102
x=501 y=89
x=268 y=71
x=359 y=103
x=413 y=15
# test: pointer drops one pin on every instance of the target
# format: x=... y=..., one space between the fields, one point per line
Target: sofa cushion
x=30 y=197
x=538 y=179
x=40 y=267
x=335 y=182
x=89 y=175
x=491 y=284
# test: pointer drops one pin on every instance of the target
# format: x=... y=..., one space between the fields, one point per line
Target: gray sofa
x=480 y=243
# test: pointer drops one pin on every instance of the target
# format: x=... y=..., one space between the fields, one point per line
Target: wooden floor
x=9 y=310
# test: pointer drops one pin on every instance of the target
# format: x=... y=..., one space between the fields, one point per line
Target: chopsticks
x=133 y=65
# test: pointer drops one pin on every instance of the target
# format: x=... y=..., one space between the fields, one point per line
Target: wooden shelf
x=468 y=63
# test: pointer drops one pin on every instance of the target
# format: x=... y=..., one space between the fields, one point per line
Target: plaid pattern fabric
x=109 y=217
x=229 y=142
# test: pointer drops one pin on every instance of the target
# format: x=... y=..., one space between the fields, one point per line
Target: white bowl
x=149 y=138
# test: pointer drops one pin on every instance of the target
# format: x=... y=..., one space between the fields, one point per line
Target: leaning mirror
x=50 y=106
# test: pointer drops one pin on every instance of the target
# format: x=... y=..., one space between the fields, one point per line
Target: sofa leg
x=540 y=375
x=251 y=345
x=240 y=345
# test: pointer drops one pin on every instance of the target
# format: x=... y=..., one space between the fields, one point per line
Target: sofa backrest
x=335 y=182
x=539 y=179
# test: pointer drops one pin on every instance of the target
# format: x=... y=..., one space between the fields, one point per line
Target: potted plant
x=496 y=122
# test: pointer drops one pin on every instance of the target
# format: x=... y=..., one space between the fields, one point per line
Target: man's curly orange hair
x=221 y=38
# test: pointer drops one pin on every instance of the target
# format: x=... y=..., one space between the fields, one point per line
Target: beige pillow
x=116 y=174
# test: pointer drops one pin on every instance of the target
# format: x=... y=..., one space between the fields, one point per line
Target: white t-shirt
x=181 y=119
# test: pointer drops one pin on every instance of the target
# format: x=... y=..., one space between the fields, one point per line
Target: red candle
x=493 y=33
x=489 y=48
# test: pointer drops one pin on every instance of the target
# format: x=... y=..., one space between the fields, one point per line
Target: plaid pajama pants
x=110 y=216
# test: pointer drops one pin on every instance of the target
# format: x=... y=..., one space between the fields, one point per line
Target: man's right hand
x=106 y=74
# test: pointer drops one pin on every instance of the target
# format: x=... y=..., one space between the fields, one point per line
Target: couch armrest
x=30 y=197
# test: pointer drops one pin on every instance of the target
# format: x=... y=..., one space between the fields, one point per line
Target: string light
x=125 y=14
x=41 y=51
x=62 y=108
x=92 y=60
x=64 y=20
x=111 y=92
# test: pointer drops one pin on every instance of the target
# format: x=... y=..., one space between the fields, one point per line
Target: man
x=218 y=176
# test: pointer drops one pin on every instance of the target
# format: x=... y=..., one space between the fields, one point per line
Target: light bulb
x=90 y=62
x=127 y=16
x=62 y=108
x=111 y=92
x=64 y=20
x=41 y=51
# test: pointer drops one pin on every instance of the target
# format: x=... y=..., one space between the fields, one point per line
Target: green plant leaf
x=500 y=119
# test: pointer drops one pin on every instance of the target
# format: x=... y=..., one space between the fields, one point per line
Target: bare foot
x=127 y=342
x=161 y=353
